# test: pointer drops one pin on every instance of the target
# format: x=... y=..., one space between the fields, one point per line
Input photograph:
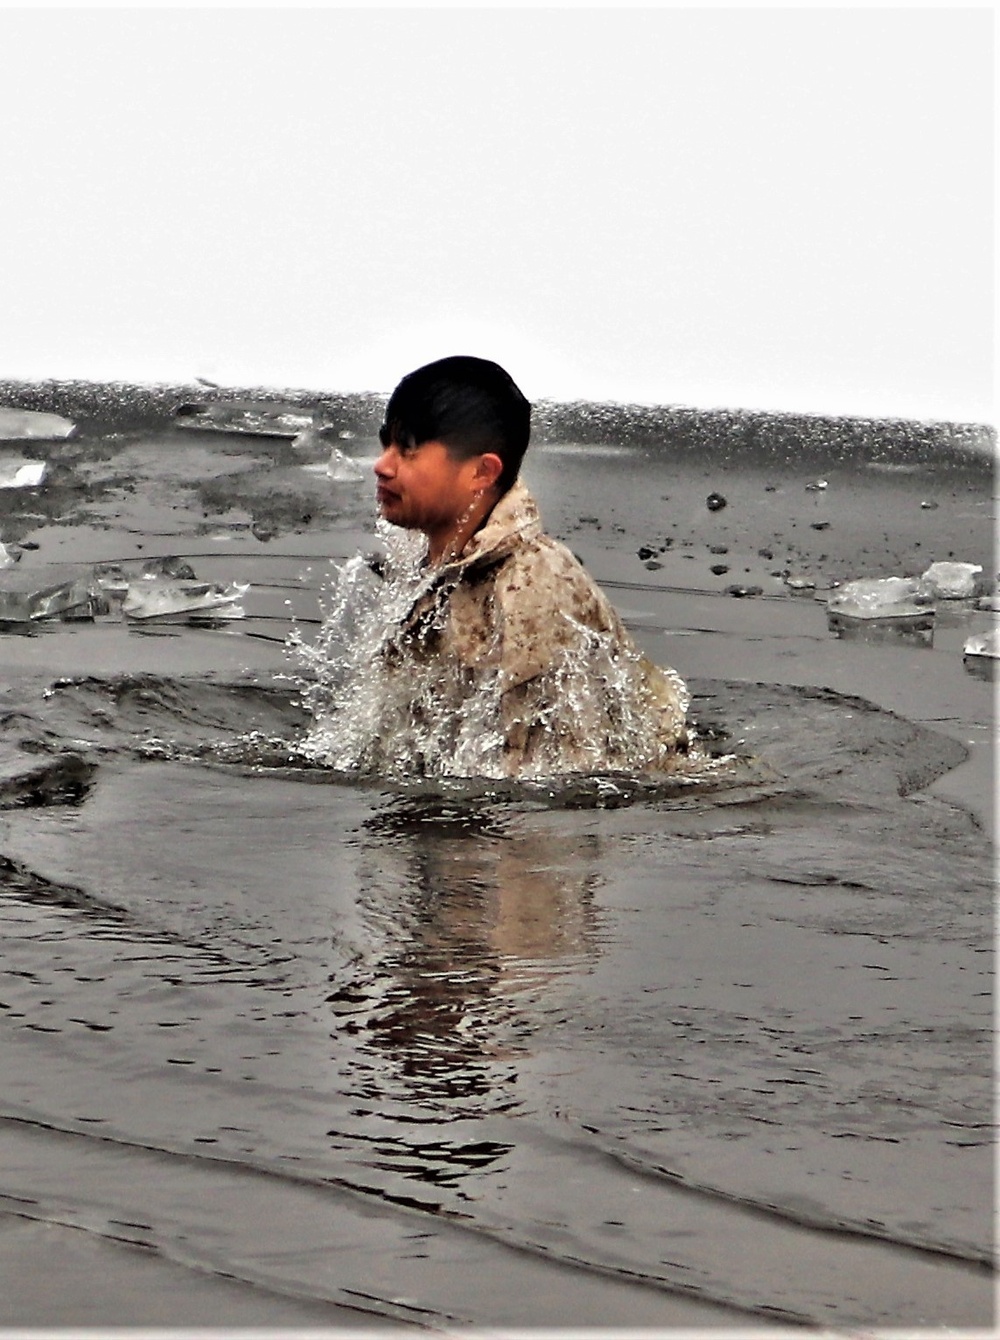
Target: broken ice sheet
x=159 y=600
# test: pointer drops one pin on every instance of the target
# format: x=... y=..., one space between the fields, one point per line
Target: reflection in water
x=469 y=918
x=610 y=1051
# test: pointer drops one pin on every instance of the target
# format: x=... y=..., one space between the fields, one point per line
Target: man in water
x=507 y=615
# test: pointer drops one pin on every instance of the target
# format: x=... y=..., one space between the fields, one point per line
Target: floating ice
x=311 y=438
x=21 y=424
x=7 y=559
x=882 y=598
x=951 y=581
x=156 y=590
x=159 y=600
x=986 y=645
x=17 y=473
x=258 y=418
x=113 y=579
x=27 y=597
x=341 y=468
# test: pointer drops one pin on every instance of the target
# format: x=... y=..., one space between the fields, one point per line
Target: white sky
x=788 y=209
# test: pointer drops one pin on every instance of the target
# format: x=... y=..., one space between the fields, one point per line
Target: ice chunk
x=153 y=599
x=339 y=466
x=342 y=468
x=310 y=439
x=981 y=653
x=7 y=559
x=983 y=645
x=20 y=424
x=881 y=598
x=952 y=581
x=261 y=418
x=881 y=609
x=114 y=579
x=18 y=473
x=28 y=596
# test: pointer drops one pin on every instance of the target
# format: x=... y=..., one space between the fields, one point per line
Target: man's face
x=423 y=488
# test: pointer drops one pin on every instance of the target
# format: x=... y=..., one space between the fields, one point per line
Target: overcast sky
x=787 y=209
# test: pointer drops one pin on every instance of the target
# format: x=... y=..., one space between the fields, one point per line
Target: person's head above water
x=469 y=404
x=454 y=436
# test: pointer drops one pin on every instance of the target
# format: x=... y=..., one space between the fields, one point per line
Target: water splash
x=379 y=707
x=433 y=722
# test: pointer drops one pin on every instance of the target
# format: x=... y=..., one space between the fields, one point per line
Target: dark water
x=330 y=1038
x=478 y=1055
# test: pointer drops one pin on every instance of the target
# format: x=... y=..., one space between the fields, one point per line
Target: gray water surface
x=674 y=1042
x=590 y=1054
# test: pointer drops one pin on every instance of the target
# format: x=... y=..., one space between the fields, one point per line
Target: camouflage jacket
x=540 y=664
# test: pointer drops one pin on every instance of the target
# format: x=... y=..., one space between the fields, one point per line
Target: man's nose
x=384 y=466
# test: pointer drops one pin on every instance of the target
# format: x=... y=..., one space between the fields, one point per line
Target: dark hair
x=469 y=404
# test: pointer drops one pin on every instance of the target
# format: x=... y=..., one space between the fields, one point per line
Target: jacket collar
x=513 y=519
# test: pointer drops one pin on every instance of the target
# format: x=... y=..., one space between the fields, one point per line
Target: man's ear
x=489 y=468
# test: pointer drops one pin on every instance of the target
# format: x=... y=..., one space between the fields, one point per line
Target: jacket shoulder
x=543 y=597
x=544 y=571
